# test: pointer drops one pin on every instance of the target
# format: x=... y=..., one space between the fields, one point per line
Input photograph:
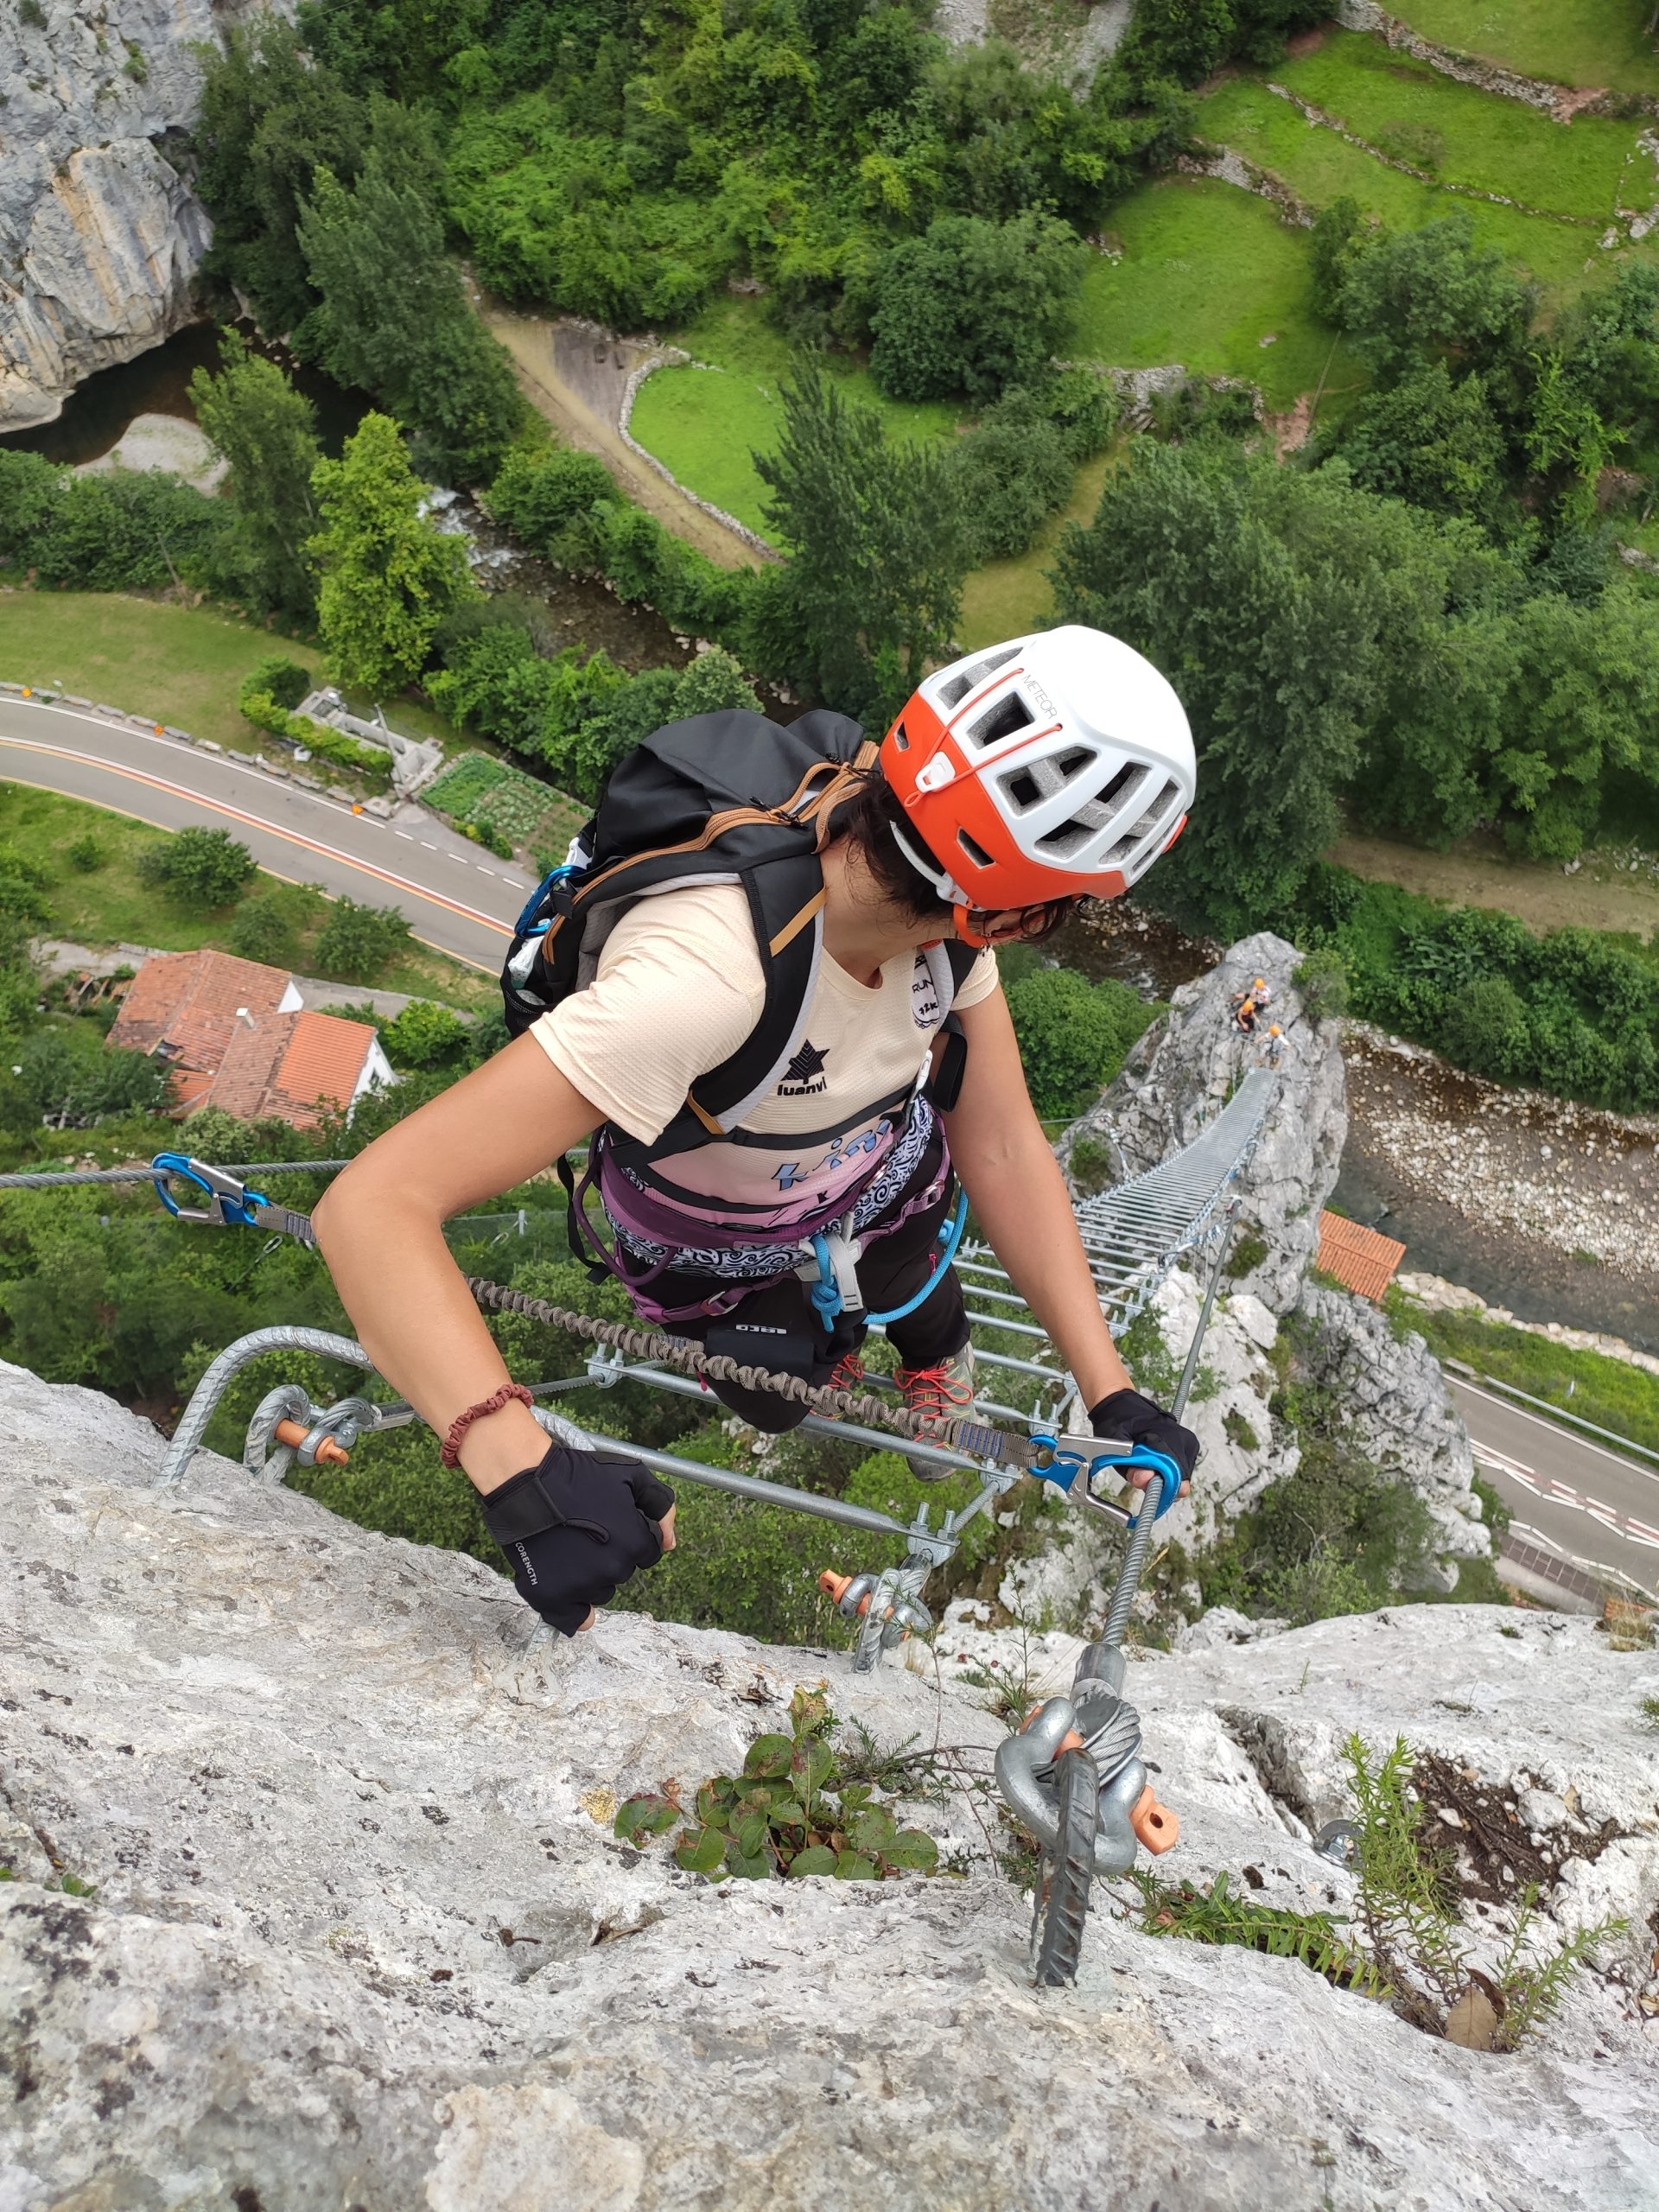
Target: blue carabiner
x=1161 y=1465
x=826 y=1292
x=525 y=925
x=232 y=1203
x=1066 y=1466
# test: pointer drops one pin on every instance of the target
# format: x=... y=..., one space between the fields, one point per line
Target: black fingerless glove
x=1140 y=1421
x=576 y=1527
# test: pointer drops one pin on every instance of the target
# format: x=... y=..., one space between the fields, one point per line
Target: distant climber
x=1247 y=1005
x=763 y=987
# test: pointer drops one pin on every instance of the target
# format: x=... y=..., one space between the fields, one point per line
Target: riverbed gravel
x=1581 y=1183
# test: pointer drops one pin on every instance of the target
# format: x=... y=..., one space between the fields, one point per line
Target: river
x=97 y=411
x=580 y=611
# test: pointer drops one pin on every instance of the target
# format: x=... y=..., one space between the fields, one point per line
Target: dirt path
x=1597 y=897
x=576 y=375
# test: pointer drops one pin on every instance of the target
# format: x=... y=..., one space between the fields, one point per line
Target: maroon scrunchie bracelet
x=449 y=1454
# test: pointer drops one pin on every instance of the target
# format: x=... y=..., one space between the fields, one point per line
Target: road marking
x=1558 y=1430
x=405 y=834
x=251 y=821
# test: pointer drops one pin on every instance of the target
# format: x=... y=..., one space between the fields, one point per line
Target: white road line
x=1558 y=1430
x=405 y=834
x=428 y=842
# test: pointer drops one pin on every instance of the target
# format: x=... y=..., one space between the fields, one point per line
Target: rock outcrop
x=100 y=233
x=358 y=1933
x=1183 y=1070
x=1394 y=1402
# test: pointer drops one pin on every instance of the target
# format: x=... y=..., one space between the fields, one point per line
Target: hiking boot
x=937 y=1395
x=848 y=1373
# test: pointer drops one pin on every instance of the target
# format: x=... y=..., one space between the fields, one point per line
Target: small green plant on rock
x=1409 y=1946
x=1216 y=1916
x=778 y=1816
x=1408 y=1909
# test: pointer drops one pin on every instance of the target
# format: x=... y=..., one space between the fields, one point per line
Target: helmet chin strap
x=948 y=890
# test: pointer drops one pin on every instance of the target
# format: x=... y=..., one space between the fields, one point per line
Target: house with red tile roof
x=1359 y=1259
x=236 y=1034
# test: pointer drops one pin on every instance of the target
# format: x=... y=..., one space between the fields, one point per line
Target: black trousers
x=778 y=1327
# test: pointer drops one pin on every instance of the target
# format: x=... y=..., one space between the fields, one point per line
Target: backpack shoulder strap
x=786 y=899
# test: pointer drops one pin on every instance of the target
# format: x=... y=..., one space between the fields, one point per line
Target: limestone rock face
x=100 y=233
x=360 y=1934
x=1395 y=1396
x=1183 y=1071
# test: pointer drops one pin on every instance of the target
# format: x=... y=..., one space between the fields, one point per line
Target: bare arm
x=381 y=1227
x=1014 y=1183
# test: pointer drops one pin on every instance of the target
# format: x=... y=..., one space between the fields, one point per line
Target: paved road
x=1578 y=1497
x=456 y=900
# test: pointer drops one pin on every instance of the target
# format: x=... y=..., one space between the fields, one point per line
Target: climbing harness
x=831 y=1271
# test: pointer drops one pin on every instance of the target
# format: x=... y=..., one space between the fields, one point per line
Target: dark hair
x=870 y=818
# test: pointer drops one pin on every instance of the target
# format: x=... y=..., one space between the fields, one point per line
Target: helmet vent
x=1006 y=719
x=957 y=688
x=1023 y=790
x=901 y=742
x=1124 y=784
x=975 y=851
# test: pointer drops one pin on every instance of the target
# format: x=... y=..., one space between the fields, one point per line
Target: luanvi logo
x=804 y=1077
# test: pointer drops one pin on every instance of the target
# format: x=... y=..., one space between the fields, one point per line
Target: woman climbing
x=765 y=990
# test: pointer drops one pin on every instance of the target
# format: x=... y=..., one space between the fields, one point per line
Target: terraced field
x=1201 y=271
x=1211 y=276
x=705 y=422
x=1601 y=44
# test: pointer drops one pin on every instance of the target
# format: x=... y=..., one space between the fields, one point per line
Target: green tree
x=201 y=868
x=357 y=942
x=1074 y=1035
x=270 y=118
x=871 y=591
x=1433 y=440
x=267 y=432
x=1011 y=475
x=1403 y=295
x=388 y=577
x=973 y=306
x=394 y=314
x=1264 y=599
x=425 y=1036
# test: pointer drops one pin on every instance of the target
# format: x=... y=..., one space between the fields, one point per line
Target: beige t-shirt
x=680 y=986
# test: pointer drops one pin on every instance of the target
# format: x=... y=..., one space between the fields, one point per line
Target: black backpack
x=726 y=797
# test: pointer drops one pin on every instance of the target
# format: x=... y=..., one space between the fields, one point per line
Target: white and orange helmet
x=1058 y=766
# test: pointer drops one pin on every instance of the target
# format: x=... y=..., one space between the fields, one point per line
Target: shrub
x=201 y=868
x=1074 y=1035
x=357 y=942
x=1322 y=979
x=425 y=1036
x=275 y=678
x=1484 y=1026
x=85 y=854
x=777 y=1818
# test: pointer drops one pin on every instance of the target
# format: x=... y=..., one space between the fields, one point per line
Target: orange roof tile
x=323 y=1061
x=1359 y=1259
